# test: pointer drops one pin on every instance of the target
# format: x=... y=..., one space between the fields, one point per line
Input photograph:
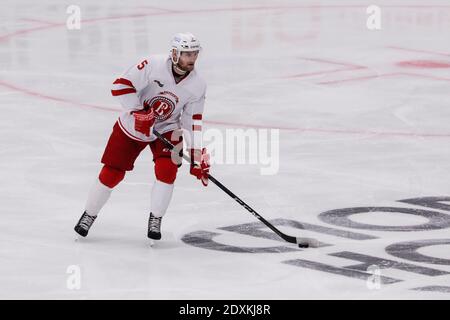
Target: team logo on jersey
x=162 y=107
x=170 y=94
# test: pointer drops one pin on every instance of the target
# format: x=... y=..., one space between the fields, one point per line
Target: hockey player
x=164 y=93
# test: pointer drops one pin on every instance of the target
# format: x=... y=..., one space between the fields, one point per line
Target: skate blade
x=79 y=238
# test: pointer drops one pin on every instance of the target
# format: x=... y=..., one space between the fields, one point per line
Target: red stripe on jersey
x=197 y=116
x=196 y=128
x=123 y=81
x=123 y=91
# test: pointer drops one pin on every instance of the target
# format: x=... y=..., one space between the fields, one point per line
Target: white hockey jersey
x=151 y=83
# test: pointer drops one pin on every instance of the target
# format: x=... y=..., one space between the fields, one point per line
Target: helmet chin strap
x=178 y=70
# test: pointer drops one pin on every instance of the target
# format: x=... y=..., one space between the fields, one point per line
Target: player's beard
x=186 y=67
x=182 y=70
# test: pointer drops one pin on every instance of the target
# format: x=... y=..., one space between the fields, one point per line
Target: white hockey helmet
x=184 y=42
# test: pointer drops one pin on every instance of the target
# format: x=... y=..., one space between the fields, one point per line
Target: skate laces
x=86 y=221
x=154 y=223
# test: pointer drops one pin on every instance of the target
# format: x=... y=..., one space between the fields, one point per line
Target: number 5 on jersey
x=142 y=65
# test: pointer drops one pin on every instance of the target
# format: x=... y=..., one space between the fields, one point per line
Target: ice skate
x=84 y=224
x=154 y=227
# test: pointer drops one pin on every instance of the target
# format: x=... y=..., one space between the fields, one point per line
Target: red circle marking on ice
x=424 y=64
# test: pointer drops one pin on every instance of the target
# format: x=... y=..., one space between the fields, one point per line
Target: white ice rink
x=364 y=122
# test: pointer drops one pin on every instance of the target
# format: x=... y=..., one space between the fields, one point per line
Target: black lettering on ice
x=430 y=202
x=254 y=229
x=356 y=274
x=204 y=240
x=385 y=264
x=408 y=250
x=444 y=289
x=340 y=217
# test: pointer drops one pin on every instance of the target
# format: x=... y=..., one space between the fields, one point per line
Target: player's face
x=187 y=60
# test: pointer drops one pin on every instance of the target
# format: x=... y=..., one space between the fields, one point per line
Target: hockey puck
x=303 y=245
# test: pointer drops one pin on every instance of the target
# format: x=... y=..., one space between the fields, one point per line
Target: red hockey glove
x=200 y=171
x=143 y=120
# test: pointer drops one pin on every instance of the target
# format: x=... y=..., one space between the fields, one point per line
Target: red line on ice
x=414 y=75
x=348 y=67
x=184 y=12
x=45 y=96
x=234 y=124
x=420 y=51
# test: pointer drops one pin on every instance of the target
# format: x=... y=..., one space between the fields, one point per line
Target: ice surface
x=363 y=118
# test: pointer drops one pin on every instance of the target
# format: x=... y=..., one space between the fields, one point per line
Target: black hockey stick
x=302 y=242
